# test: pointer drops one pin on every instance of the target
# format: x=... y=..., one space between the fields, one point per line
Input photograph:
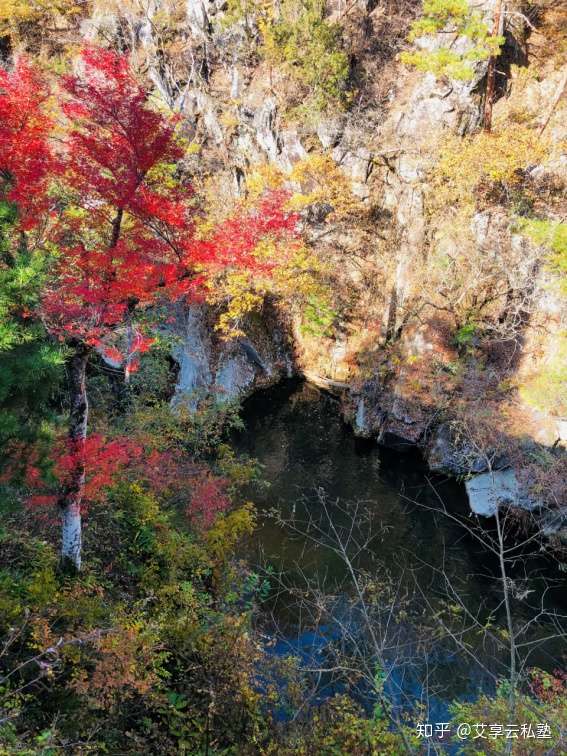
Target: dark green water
x=324 y=484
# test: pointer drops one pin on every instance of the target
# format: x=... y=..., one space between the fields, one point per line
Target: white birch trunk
x=71 y=496
x=71 y=536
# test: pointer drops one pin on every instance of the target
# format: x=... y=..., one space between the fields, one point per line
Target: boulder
x=235 y=377
x=489 y=490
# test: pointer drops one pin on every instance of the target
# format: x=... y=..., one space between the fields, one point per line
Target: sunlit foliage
x=483 y=163
x=298 y=38
x=451 y=18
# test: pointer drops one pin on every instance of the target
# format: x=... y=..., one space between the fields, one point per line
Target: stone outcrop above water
x=493 y=489
x=553 y=525
x=225 y=370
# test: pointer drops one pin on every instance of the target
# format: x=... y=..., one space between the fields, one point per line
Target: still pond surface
x=430 y=574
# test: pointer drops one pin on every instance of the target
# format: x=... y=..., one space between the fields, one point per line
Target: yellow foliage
x=300 y=276
x=496 y=157
x=193 y=148
x=238 y=291
x=264 y=176
x=228 y=529
x=322 y=181
x=316 y=179
x=229 y=119
x=15 y=12
x=293 y=272
x=295 y=276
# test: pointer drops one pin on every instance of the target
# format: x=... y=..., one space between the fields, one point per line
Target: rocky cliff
x=447 y=318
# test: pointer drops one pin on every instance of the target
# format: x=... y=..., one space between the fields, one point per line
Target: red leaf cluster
x=103 y=460
x=209 y=497
x=116 y=138
x=169 y=473
x=26 y=160
x=131 y=237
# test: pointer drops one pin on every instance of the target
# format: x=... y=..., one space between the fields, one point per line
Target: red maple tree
x=126 y=238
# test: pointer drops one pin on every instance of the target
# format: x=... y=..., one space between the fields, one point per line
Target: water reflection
x=419 y=568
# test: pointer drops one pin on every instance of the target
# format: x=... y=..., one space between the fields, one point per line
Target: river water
x=416 y=575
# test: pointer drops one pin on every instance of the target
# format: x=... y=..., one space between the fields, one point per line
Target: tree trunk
x=71 y=496
x=116 y=227
x=491 y=73
x=392 y=315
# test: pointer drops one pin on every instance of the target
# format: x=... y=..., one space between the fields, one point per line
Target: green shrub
x=299 y=39
x=451 y=17
x=31 y=368
x=553 y=235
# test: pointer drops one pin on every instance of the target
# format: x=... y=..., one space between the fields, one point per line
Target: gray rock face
x=399 y=435
x=234 y=377
x=292 y=150
x=360 y=424
x=227 y=370
x=452 y=105
x=193 y=356
x=389 y=419
x=553 y=525
x=199 y=105
x=330 y=131
x=445 y=454
x=197 y=16
x=283 y=148
x=442 y=456
x=265 y=129
x=404 y=423
x=357 y=163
